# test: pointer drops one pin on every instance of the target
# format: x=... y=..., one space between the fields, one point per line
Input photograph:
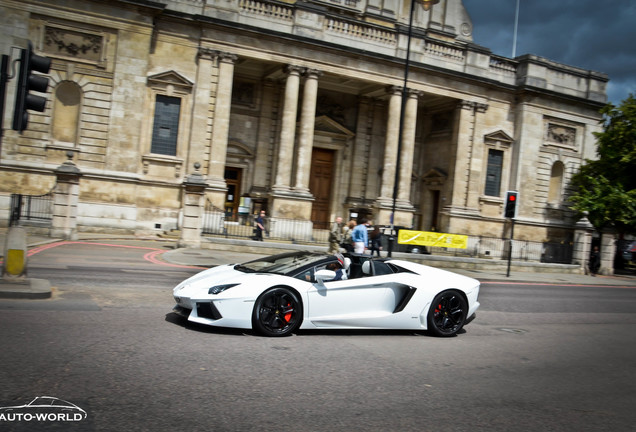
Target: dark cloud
x=591 y=34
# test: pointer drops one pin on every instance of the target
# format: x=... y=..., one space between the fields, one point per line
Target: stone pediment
x=329 y=126
x=170 y=78
x=435 y=176
x=239 y=149
x=498 y=137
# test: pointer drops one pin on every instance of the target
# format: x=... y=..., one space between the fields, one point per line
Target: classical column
x=262 y=175
x=390 y=147
x=306 y=137
x=221 y=128
x=374 y=153
x=199 y=140
x=360 y=154
x=463 y=137
x=476 y=155
x=459 y=205
x=408 y=149
x=288 y=131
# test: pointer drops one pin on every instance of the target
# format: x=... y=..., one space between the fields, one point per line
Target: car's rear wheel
x=447 y=314
x=277 y=312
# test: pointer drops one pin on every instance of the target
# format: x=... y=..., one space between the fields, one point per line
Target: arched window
x=66 y=111
x=556 y=182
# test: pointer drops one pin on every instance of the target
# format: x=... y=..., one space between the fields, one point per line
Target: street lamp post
x=426 y=4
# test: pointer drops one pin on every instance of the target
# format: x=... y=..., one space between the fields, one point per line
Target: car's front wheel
x=277 y=312
x=447 y=314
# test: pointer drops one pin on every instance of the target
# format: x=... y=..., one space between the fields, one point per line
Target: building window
x=166 y=125
x=243 y=93
x=493 y=173
x=556 y=182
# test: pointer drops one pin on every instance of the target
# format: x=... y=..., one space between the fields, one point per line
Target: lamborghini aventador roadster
x=279 y=294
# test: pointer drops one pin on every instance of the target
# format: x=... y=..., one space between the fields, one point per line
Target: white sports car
x=279 y=294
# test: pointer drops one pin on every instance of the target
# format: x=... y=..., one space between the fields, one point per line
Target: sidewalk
x=209 y=257
x=216 y=252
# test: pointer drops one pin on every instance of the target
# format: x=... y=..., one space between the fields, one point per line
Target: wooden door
x=320 y=185
x=233 y=195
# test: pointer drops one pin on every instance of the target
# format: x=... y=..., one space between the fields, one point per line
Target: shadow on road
x=176 y=319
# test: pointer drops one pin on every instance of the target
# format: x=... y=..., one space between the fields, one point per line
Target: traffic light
x=510 y=210
x=29 y=63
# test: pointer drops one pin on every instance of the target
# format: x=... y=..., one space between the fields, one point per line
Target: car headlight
x=220 y=288
x=180 y=287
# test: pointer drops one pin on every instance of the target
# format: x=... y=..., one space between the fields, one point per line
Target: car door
x=351 y=302
x=342 y=302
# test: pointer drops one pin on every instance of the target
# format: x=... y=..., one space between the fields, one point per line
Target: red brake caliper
x=288 y=315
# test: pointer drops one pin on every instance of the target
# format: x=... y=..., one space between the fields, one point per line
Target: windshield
x=280 y=264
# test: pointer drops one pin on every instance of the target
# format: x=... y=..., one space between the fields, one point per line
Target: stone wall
x=228 y=64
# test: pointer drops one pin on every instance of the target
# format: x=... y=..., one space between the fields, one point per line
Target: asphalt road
x=537 y=358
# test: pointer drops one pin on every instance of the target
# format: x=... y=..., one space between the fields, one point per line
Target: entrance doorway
x=232 y=197
x=435 y=210
x=320 y=184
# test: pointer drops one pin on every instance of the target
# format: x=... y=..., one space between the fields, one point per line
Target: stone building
x=296 y=105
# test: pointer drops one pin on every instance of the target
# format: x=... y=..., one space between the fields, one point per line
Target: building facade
x=295 y=106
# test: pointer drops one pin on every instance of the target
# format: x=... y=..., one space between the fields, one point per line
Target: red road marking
x=152 y=256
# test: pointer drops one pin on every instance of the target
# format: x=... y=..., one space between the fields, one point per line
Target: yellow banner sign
x=427 y=238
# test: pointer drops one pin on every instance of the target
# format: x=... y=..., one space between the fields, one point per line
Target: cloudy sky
x=598 y=35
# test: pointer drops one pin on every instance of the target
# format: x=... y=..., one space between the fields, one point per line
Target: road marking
x=512 y=330
x=152 y=256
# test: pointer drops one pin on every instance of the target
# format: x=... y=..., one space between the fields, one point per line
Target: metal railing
x=497 y=248
x=305 y=232
x=27 y=209
x=276 y=229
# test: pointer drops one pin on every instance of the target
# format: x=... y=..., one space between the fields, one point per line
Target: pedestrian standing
x=595 y=261
x=360 y=236
x=336 y=236
x=347 y=242
x=260 y=225
x=375 y=240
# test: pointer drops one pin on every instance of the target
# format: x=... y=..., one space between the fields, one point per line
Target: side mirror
x=325 y=275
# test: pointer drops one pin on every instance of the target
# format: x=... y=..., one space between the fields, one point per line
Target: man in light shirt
x=360 y=236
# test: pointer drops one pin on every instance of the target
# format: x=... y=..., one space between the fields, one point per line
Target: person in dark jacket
x=375 y=240
x=260 y=225
x=595 y=261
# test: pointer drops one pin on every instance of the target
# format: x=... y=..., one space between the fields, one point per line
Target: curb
x=25 y=289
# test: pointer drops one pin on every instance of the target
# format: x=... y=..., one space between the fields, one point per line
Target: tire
x=447 y=314
x=277 y=312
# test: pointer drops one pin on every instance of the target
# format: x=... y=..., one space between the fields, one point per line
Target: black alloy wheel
x=277 y=312
x=447 y=314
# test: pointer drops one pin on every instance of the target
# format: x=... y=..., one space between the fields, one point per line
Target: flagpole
x=514 y=37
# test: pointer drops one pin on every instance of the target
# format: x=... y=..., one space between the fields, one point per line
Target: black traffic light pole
x=510 y=211
x=4 y=77
x=29 y=63
x=512 y=233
